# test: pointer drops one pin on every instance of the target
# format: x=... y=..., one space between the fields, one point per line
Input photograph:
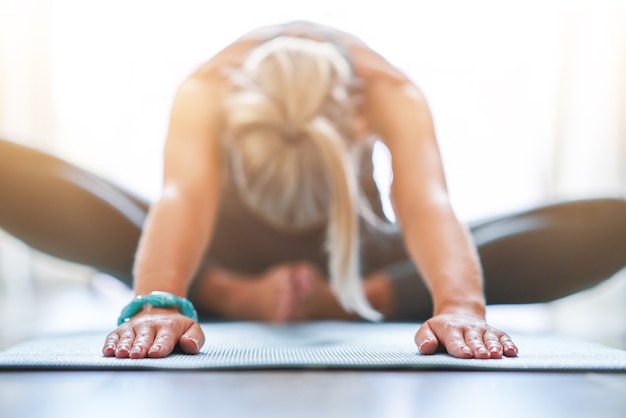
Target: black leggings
x=531 y=256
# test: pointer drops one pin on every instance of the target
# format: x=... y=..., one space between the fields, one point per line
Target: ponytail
x=289 y=157
x=342 y=236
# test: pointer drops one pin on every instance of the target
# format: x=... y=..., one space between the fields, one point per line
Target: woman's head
x=289 y=124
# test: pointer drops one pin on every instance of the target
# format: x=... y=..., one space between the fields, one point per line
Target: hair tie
x=292 y=134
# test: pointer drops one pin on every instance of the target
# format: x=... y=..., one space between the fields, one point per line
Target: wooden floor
x=311 y=394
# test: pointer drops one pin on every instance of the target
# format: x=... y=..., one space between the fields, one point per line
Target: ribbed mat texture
x=317 y=345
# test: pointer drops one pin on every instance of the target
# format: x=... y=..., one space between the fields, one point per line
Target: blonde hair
x=287 y=140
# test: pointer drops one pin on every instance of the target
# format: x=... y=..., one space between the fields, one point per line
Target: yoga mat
x=317 y=345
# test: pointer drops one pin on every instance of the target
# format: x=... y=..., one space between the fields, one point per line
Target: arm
x=437 y=242
x=178 y=227
x=180 y=223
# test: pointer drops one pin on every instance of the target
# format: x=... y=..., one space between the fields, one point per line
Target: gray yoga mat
x=317 y=345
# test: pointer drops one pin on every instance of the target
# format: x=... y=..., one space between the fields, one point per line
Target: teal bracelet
x=158 y=300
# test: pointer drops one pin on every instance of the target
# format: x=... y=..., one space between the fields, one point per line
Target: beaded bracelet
x=158 y=300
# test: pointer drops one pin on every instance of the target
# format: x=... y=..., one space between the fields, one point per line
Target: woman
x=269 y=212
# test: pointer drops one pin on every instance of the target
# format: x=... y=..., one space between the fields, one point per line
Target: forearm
x=443 y=251
x=172 y=244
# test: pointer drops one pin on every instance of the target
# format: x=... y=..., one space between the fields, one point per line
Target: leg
x=551 y=252
x=67 y=212
x=530 y=257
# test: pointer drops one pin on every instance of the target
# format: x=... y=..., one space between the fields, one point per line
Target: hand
x=272 y=296
x=316 y=299
x=464 y=336
x=288 y=292
x=154 y=333
x=309 y=296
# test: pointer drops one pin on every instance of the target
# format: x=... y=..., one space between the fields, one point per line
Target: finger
x=474 y=340
x=143 y=341
x=192 y=339
x=285 y=303
x=492 y=342
x=510 y=349
x=303 y=279
x=127 y=337
x=426 y=340
x=164 y=342
x=110 y=343
x=303 y=276
x=455 y=343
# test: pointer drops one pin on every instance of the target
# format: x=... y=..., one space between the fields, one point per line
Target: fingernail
x=466 y=350
x=155 y=348
x=136 y=350
x=109 y=347
x=195 y=342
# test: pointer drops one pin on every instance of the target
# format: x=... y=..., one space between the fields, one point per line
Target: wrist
x=465 y=307
x=157 y=299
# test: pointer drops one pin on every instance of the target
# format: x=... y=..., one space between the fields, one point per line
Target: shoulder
x=197 y=110
x=392 y=105
x=199 y=90
x=218 y=67
x=370 y=66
